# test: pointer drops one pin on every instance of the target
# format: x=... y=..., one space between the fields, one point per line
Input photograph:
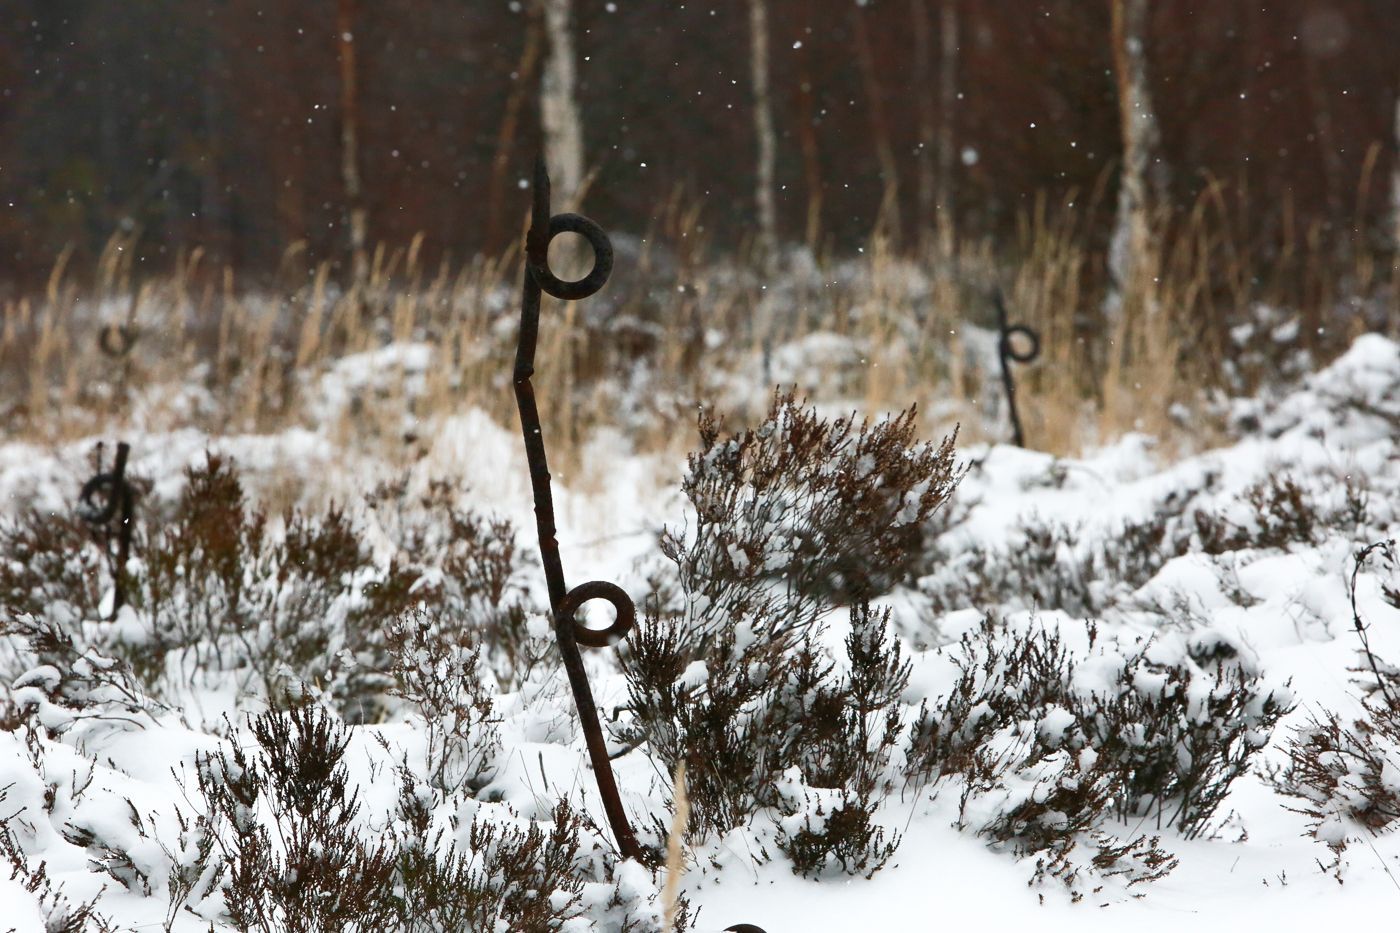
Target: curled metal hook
x=569 y=633
x=1007 y=352
x=117 y=501
x=116 y=340
x=621 y=603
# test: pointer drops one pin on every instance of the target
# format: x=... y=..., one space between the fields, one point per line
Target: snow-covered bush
x=69 y=682
x=1272 y=513
x=216 y=588
x=762 y=728
x=801 y=514
x=48 y=559
x=1346 y=778
x=310 y=869
x=463 y=566
x=849 y=732
x=1049 y=745
x=1086 y=571
x=59 y=913
x=291 y=850
x=443 y=674
x=791 y=518
x=1053 y=565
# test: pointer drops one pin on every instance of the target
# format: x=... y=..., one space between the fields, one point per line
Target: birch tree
x=1129 y=247
x=947 y=106
x=807 y=141
x=560 y=121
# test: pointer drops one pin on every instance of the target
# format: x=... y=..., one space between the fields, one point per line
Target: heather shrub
x=311 y=869
x=66 y=682
x=800 y=514
x=1345 y=776
x=443 y=675
x=1043 y=569
x=851 y=729
x=1282 y=510
x=59 y=912
x=762 y=727
x=48 y=560
x=1051 y=565
x=791 y=518
x=1048 y=749
x=287 y=848
x=217 y=589
x=463 y=566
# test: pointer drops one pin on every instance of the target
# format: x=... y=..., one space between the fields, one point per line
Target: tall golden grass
x=214 y=355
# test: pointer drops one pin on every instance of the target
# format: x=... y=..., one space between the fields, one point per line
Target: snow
x=1284 y=612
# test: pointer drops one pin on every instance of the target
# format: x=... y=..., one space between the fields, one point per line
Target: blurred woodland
x=223 y=123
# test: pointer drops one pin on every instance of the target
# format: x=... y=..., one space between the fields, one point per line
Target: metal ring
x=1009 y=349
x=598 y=589
x=116 y=490
x=537 y=258
x=116 y=340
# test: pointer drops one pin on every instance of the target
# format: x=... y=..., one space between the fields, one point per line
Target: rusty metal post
x=564 y=602
x=1006 y=353
x=118 y=502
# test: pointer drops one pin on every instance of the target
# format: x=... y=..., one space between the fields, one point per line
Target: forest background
x=223 y=124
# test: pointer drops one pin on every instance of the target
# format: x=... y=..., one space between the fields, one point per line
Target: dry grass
x=669 y=332
x=675 y=851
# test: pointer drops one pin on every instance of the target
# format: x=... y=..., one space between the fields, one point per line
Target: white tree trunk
x=559 y=112
x=947 y=105
x=763 y=132
x=1129 y=247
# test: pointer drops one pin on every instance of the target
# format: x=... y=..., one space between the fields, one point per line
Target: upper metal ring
x=1009 y=349
x=116 y=490
x=537 y=258
x=598 y=589
x=116 y=340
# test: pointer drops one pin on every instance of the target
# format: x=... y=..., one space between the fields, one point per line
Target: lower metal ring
x=597 y=589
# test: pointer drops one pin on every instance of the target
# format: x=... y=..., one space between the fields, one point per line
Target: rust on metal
x=569 y=632
x=1006 y=353
x=105 y=497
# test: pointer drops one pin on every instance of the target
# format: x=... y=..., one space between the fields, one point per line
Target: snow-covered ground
x=1282 y=608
